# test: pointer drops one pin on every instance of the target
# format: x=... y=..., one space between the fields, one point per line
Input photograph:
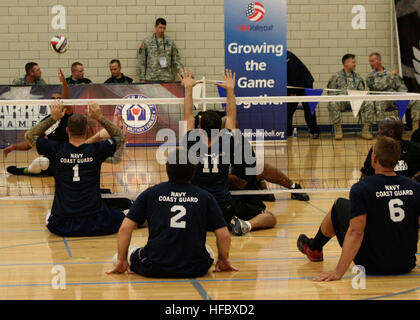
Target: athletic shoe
x=303 y=246
x=16 y=171
x=21 y=172
x=299 y=196
x=239 y=227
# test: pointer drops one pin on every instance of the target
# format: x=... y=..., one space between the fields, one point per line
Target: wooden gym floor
x=271 y=267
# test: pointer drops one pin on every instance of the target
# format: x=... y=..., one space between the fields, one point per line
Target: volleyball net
x=319 y=165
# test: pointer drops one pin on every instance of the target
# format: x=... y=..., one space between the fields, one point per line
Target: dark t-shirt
x=123 y=79
x=408 y=165
x=70 y=80
x=57 y=131
x=213 y=163
x=392 y=206
x=298 y=75
x=178 y=217
x=76 y=173
x=415 y=137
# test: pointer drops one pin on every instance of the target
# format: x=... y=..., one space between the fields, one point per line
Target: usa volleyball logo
x=255 y=11
x=139 y=117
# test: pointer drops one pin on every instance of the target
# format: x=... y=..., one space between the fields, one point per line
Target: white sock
x=47 y=216
x=249 y=225
x=39 y=164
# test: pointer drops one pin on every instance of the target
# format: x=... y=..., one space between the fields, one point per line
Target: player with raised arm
x=213 y=150
x=78 y=209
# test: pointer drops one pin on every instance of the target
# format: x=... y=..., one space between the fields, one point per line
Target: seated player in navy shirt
x=409 y=163
x=213 y=151
x=240 y=181
x=378 y=227
x=178 y=215
x=78 y=209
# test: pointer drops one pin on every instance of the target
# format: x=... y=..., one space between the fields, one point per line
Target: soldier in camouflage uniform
x=414 y=105
x=32 y=77
x=381 y=79
x=345 y=79
x=415 y=114
x=159 y=57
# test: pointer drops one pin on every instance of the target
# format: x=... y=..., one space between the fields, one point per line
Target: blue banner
x=255 y=48
x=313 y=92
x=402 y=106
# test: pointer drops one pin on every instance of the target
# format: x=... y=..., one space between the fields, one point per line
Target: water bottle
x=295 y=133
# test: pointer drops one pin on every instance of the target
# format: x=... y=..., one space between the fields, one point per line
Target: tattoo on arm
x=113 y=130
x=32 y=134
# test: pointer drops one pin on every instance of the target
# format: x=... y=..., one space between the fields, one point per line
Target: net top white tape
x=239 y=100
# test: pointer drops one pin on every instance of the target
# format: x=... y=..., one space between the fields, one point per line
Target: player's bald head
x=391 y=127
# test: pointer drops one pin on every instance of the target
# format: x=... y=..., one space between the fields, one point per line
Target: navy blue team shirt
x=212 y=173
x=178 y=218
x=392 y=206
x=58 y=129
x=76 y=173
x=408 y=165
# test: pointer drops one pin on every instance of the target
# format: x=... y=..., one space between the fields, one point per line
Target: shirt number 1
x=76 y=173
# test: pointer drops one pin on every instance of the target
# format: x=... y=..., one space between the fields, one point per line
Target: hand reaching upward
x=229 y=80
x=187 y=78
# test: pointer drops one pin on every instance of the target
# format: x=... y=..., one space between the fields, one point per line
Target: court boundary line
x=316 y=207
x=197 y=285
x=67 y=247
x=187 y=281
x=393 y=294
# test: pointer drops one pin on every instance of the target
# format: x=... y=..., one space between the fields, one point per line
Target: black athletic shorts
x=104 y=222
x=244 y=210
x=146 y=268
x=340 y=216
x=118 y=203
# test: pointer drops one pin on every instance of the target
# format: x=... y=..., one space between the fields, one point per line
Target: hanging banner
x=142 y=121
x=255 y=49
x=408 y=24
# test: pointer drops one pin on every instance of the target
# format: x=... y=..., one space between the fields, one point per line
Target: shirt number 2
x=175 y=223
